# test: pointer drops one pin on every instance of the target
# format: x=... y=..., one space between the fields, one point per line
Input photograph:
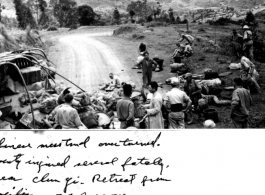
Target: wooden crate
x=31 y=74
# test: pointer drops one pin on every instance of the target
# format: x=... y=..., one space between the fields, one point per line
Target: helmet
x=246 y=27
x=181 y=45
x=209 y=124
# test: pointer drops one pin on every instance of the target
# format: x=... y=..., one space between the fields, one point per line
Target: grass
x=13 y=39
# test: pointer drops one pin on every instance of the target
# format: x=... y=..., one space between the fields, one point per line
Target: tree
x=250 y=17
x=116 y=16
x=132 y=13
x=149 y=18
x=171 y=15
x=24 y=15
x=157 y=11
x=52 y=3
x=86 y=15
x=140 y=8
x=37 y=7
x=178 y=20
x=66 y=13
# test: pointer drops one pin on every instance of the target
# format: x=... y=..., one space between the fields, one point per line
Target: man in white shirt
x=116 y=81
x=66 y=116
x=179 y=103
x=188 y=50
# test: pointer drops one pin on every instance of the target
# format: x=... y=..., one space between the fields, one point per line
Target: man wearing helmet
x=247 y=42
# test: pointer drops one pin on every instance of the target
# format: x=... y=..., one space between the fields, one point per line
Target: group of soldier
x=177 y=101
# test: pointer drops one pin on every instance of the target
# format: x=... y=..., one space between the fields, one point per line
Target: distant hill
x=108 y=5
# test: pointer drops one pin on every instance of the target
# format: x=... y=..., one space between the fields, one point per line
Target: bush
x=257 y=120
x=259 y=46
x=201 y=29
x=52 y=28
x=140 y=21
x=225 y=21
x=86 y=15
x=124 y=30
x=226 y=46
x=155 y=24
x=137 y=36
x=149 y=19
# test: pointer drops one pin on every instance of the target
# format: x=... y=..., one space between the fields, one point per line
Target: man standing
x=188 y=38
x=248 y=43
x=241 y=102
x=237 y=43
x=125 y=108
x=154 y=108
x=142 y=49
x=179 y=103
x=192 y=89
x=67 y=117
x=116 y=81
x=147 y=67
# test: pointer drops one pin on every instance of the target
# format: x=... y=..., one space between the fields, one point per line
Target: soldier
x=248 y=43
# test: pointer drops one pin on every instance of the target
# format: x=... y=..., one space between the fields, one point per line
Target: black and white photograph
x=96 y=64
x=132 y=97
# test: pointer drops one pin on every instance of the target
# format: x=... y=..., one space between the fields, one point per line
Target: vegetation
x=86 y=15
x=24 y=15
x=66 y=13
x=140 y=8
x=116 y=16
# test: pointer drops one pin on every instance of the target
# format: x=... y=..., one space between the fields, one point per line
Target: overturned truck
x=18 y=71
x=30 y=94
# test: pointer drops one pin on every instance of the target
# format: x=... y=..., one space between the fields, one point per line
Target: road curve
x=86 y=61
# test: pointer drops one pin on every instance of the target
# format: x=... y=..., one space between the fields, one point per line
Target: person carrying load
x=188 y=38
x=249 y=75
x=248 y=42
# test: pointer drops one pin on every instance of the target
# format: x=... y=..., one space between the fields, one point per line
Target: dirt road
x=85 y=60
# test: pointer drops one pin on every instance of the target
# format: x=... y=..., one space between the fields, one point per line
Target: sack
x=48 y=105
x=176 y=66
x=89 y=119
x=235 y=66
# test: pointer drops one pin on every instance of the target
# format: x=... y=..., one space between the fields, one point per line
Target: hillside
x=108 y=5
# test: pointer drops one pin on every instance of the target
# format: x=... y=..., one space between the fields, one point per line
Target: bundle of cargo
x=180 y=68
